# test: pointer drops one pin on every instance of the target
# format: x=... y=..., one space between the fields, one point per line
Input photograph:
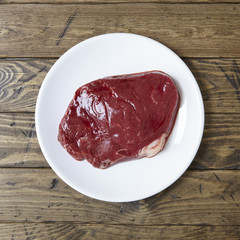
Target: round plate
x=114 y=54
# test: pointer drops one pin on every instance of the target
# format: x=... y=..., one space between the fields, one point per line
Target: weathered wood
x=218 y=79
x=20 y=82
x=63 y=231
x=219 y=148
x=197 y=198
x=18 y=142
x=191 y=30
x=117 y=1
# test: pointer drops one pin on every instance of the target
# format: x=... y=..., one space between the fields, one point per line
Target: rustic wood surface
x=203 y=204
x=77 y=231
x=197 y=198
x=116 y=1
x=191 y=30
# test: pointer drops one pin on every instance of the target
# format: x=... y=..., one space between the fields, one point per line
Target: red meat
x=120 y=118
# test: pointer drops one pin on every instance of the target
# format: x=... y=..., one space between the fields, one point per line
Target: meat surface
x=120 y=118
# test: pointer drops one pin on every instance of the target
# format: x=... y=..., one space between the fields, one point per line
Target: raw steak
x=119 y=118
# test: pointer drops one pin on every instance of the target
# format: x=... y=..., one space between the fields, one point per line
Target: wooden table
x=203 y=204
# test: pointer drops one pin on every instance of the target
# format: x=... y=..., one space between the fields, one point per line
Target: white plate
x=113 y=54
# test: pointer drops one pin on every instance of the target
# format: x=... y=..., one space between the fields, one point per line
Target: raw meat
x=120 y=118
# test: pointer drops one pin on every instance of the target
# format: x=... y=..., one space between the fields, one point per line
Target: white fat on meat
x=105 y=163
x=153 y=148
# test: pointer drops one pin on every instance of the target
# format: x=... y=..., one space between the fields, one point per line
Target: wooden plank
x=108 y=232
x=197 y=198
x=18 y=142
x=116 y=1
x=219 y=148
x=19 y=145
x=20 y=82
x=191 y=30
x=218 y=79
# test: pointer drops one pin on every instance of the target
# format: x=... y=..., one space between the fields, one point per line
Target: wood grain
x=219 y=148
x=113 y=1
x=197 y=198
x=116 y=1
x=20 y=82
x=218 y=80
x=63 y=231
x=18 y=142
x=191 y=30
